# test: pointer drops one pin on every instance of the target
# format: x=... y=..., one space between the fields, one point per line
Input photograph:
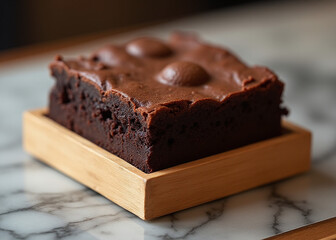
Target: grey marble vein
x=280 y=203
x=212 y=214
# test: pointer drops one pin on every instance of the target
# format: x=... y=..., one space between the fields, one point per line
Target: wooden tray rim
x=292 y=131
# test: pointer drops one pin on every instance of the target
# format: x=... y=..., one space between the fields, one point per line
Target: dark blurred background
x=27 y=22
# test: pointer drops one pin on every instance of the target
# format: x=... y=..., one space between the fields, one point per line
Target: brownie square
x=157 y=104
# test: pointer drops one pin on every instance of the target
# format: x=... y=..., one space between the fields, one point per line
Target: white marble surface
x=297 y=40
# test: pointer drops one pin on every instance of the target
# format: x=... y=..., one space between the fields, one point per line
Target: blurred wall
x=25 y=22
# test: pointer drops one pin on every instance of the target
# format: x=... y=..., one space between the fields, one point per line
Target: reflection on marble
x=37 y=202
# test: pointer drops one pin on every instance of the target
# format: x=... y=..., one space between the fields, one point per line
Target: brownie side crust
x=187 y=133
x=109 y=122
x=155 y=110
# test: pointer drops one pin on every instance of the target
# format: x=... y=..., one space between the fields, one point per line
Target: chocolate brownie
x=157 y=104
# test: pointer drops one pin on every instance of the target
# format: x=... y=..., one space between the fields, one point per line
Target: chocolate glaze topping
x=153 y=73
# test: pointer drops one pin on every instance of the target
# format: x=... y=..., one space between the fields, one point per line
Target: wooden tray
x=152 y=195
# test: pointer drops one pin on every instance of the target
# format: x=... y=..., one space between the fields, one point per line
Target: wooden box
x=152 y=195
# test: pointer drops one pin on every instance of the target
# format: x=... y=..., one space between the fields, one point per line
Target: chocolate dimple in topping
x=148 y=47
x=183 y=73
x=113 y=56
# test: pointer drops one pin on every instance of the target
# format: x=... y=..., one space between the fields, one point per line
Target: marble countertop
x=296 y=40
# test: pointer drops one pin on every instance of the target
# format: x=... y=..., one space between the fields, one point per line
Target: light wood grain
x=324 y=230
x=170 y=190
